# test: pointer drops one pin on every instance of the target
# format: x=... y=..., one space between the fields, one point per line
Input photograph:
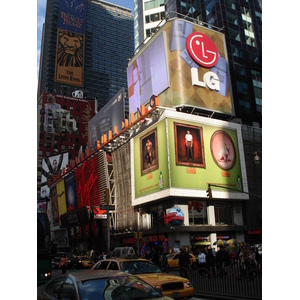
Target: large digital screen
x=193 y=59
x=147 y=75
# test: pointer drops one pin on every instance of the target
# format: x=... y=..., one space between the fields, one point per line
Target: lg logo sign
x=203 y=52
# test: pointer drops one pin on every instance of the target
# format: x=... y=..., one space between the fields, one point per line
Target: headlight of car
x=187 y=284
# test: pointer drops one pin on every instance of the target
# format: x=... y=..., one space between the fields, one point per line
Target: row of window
x=155 y=17
x=153 y=4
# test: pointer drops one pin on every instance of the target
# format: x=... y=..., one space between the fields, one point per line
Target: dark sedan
x=100 y=284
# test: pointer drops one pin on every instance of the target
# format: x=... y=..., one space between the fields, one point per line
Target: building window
x=197 y=213
x=223 y=214
x=248 y=27
x=257 y=85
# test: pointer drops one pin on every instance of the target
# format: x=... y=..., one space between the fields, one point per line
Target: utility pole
x=108 y=220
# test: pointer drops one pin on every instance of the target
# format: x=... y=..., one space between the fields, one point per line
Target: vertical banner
x=61 y=198
x=69 y=58
x=70 y=42
x=70 y=189
x=54 y=206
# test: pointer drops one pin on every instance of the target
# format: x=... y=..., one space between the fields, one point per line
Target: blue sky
x=41 y=9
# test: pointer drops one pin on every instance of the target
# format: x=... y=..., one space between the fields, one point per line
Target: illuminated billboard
x=196 y=66
x=87 y=183
x=148 y=74
x=108 y=118
x=188 y=153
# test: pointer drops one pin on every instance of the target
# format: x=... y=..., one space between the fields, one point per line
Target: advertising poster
x=61 y=198
x=191 y=153
x=220 y=153
x=59 y=116
x=69 y=60
x=72 y=15
x=70 y=42
x=70 y=192
x=54 y=207
x=148 y=74
x=88 y=192
x=106 y=119
x=194 y=60
x=50 y=166
x=151 y=163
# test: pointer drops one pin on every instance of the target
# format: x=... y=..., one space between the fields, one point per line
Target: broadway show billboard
x=193 y=69
x=69 y=60
x=108 y=118
x=182 y=154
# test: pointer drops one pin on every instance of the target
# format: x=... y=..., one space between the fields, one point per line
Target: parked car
x=90 y=285
x=86 y=262
x=173 y=260
x=73 y=261
x=170 y=285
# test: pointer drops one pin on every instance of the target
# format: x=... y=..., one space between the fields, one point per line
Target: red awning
x=99 y=214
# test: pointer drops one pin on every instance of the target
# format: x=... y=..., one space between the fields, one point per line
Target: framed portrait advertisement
x=222 y=150
x=189 y=148
x=149 y=154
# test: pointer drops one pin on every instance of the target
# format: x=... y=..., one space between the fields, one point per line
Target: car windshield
x=116 y=288
x=139 y=267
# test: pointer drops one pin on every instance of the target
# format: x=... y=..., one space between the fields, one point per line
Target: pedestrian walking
x=164 y=262
x=183 y=262
x=201 y=262
x=210 y=261
x=63 y=264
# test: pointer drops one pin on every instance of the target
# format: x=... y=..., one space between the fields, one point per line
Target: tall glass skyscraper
x=108 y=42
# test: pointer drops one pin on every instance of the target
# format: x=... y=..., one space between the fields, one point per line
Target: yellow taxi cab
x=173 y=260
x=86 y=263
x=170 y=285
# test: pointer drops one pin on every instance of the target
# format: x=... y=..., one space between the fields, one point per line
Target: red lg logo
x=202 y=49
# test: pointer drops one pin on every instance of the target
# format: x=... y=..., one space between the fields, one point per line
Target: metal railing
x=231 y=282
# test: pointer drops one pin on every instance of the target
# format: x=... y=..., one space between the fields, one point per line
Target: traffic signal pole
x=208 y=191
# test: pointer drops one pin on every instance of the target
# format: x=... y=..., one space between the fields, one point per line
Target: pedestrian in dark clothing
x=154 y=256
x=210 y=261
x=164 y=262
x=63 y=264
x=183 y=262
x=222 y=260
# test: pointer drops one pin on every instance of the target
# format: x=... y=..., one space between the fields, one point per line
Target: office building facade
x=107 y=42
x=82 y=66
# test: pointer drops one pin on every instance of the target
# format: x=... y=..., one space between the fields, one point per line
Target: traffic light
x=140 y=234
x=208 y=192
x=135 y=235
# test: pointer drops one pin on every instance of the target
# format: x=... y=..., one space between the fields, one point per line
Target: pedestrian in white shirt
x=202 y=262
